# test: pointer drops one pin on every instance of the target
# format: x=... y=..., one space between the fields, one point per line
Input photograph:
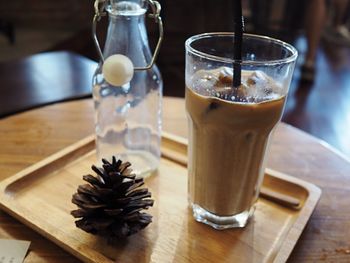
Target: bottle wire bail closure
x=100 y=7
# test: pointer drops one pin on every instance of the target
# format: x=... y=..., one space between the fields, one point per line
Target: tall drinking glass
x=230 y=128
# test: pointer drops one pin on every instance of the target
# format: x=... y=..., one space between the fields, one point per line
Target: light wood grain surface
x=46 y=188
x=31 y=136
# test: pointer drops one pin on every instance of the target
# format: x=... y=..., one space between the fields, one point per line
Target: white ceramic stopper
x=118 y=70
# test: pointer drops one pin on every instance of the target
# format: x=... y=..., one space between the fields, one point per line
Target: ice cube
x=259 y=87
x=204 y=81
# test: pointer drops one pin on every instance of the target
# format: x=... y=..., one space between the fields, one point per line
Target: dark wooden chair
x=7 y=28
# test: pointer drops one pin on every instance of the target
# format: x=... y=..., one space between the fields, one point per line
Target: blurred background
x=319 y=29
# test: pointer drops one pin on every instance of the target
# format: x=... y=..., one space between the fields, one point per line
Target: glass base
x=143 y=163
x=221 y=222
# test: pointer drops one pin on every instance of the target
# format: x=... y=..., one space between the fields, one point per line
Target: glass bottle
x=128 y=117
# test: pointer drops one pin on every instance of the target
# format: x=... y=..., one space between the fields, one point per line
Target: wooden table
x=28 y=137
x=42 y=79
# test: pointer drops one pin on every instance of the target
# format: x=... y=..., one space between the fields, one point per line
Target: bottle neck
x=127 y=35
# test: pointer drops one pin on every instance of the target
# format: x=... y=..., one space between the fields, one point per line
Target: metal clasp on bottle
x=100 y=7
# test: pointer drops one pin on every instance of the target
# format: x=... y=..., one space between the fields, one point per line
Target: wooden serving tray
x=40 y=197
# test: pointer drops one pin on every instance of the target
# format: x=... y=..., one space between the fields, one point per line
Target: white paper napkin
x=13 y=251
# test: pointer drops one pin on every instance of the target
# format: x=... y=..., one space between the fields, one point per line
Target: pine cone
x=110 y=205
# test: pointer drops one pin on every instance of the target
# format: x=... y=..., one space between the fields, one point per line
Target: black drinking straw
x=237 y=48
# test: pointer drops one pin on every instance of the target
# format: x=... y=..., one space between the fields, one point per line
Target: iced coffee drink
x=229 y=140
x=229 y=132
